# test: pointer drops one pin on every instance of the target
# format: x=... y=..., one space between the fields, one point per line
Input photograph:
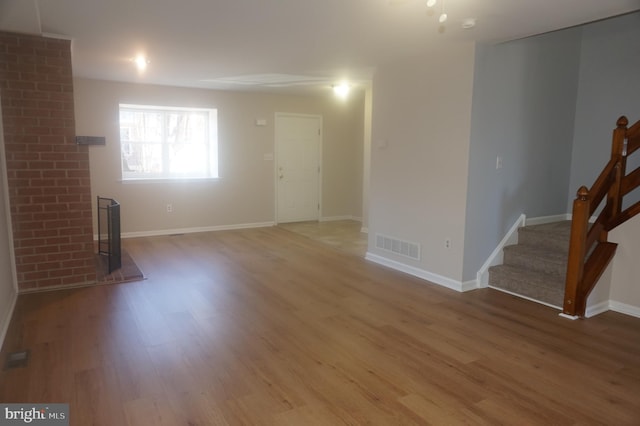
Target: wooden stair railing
x=589 y=250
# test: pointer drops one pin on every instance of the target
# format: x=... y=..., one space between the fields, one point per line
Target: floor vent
x=17 y=359
x=404 y=248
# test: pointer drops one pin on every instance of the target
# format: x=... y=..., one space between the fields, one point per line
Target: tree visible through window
x=168 y=142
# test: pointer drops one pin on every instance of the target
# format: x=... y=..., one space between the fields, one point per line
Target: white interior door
x=297 y=167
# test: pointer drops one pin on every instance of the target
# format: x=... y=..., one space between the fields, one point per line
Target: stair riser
x=543 y=240
x=523 y=286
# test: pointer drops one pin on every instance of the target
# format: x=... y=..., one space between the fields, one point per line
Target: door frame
x=276 y=126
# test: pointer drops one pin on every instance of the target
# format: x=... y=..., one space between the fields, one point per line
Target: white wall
x=366 y=154
x=8 y=279
x=619 y=287
x=625 y=280
x=419 y=159
x=244 y=194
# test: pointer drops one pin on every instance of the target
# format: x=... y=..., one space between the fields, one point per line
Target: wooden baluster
x=618 y=151
x=575 y=264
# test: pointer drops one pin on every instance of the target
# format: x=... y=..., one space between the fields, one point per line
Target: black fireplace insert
x=109 y=232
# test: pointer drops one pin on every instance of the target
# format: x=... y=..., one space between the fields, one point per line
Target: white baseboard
x=612 y=305
x=511 y=237
x=623 y=308
x=335 y=218
x=192 y=230
x=469 y=285
x=160 y=232
x=175 y=231
x=421 y=273
x=548 y=219
x=597 y=309
x=7 y=318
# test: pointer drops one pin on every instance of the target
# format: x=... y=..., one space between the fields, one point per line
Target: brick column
x=48 y=174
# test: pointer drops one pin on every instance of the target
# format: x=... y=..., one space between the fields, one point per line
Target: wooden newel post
x=619 y=135
x=575 y=264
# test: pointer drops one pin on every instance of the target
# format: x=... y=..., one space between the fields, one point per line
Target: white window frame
x=210 y=148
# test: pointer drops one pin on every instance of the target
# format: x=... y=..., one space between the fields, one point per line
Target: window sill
x=168 y=180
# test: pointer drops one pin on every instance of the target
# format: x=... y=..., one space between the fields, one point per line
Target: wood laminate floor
x=267 y=327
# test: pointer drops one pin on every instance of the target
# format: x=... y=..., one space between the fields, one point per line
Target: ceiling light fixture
x=341 y=90
x=431 y=3
x=469 y=23
x=141 y=63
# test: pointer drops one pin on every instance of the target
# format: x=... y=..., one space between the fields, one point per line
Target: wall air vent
x=393 y=245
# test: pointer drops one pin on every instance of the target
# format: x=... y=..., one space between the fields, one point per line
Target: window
x=168 y=142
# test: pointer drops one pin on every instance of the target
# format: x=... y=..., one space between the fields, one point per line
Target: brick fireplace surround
x=47 y=173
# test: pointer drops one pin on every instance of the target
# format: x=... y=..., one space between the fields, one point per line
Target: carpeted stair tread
x=554 y=236
x=536 y=258
x=544 y=287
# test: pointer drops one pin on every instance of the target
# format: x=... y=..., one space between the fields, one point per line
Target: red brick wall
x=48 y=174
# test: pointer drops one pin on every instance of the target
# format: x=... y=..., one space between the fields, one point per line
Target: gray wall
x=543 y=104
x=609 y=86
x=522 y=110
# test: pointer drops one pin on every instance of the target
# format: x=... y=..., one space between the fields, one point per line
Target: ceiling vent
x=270 y=80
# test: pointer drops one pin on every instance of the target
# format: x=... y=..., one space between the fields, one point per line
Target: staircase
x=560 y=263
x=536 y=267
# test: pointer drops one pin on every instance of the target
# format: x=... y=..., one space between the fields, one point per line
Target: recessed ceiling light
x=141 y=62
x=469 y=23
x=341 y=90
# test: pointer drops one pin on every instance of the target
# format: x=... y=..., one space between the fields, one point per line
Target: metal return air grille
x=393 y=245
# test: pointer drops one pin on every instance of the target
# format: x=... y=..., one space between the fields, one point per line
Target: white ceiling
x=278 y=44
